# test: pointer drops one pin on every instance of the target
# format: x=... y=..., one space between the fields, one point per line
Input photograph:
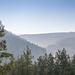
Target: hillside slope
x=17 y=45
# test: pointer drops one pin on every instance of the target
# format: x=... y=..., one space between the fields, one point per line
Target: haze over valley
x=53 y=41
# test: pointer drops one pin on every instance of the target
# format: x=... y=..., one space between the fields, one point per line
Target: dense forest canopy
x=60 y=64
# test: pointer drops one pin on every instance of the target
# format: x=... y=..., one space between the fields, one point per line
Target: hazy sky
x=38 y=16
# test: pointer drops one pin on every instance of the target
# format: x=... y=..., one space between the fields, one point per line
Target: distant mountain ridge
x=16 y=45
x=54 y=41
x=44 y=40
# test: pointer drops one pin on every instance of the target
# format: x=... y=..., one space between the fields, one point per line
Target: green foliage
x=73 y=66
x=51 y=64
x=3 y=45
x=61 y=64
x=3 y=53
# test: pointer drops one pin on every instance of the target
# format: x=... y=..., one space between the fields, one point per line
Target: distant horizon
x=44 y=33
x=40 y=33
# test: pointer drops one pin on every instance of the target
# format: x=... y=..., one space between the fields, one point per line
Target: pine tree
x=62 y=63
x=3 y=50
x=50 y=64
x=3 y=53
x=28 y=61
x=73 y=66
x=42 y=65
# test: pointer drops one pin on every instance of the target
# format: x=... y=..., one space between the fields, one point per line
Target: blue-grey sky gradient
x=38 y=16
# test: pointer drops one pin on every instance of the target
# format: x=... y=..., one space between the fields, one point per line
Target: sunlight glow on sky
x=38 y=16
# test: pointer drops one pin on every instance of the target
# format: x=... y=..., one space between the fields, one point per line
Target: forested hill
x=17 y=45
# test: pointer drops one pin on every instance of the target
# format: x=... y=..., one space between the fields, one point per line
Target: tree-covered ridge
x=60 y=64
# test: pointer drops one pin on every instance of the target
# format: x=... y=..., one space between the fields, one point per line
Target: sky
x=38 y=16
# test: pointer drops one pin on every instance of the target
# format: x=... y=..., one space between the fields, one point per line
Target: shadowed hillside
x=17 y=45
